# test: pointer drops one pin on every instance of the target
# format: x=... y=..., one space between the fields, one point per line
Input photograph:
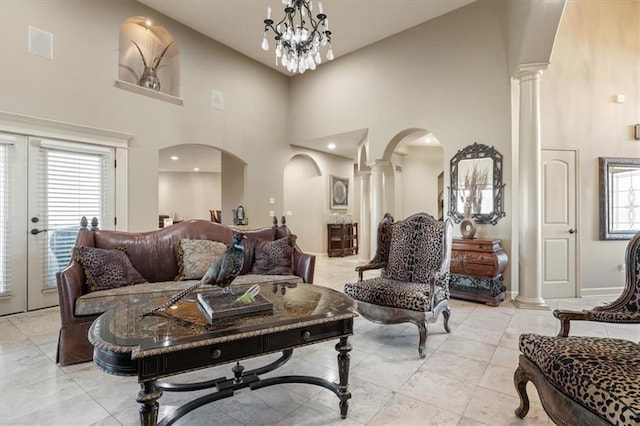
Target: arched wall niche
x=304 y=187
x=152 y=39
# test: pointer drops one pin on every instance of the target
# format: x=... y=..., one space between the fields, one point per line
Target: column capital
x=531 y=70
x=378 y=165
x=363 y=173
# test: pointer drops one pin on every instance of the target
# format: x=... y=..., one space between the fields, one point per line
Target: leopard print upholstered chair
x=587 y=380
x=414 y=256
x=625 y=309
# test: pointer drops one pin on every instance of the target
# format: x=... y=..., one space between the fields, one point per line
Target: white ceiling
x=354 y=24
x=190 y=156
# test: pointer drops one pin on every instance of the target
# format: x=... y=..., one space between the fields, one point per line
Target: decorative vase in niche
x=468 y=225
x=149 y=79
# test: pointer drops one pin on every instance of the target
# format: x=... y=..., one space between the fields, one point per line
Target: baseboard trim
x=601 y=292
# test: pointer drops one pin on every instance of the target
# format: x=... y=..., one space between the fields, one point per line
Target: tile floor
x=466 y=378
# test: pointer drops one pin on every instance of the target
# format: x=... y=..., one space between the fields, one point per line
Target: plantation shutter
x=75 y=180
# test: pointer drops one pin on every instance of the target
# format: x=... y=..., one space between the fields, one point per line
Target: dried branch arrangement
x=474 y=182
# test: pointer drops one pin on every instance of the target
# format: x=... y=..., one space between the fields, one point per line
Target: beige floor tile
x=466 y=379
x=405 y=411
x=495 y=408
x=443 y=392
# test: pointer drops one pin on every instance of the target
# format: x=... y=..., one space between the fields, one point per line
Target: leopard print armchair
x=625 y=309
x=587 y=380
x=414 y=257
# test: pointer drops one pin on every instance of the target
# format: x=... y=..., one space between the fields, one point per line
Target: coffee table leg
x=148 y=399
x=343 y=348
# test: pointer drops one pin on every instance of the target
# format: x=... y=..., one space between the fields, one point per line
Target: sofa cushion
x=99 y=302
x=194 y=257
x=415 y=250
x=274 y=257
x=393 y=293
x=603 y=374
x=106 y=269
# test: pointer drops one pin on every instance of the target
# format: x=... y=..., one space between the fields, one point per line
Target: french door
x=51 y=185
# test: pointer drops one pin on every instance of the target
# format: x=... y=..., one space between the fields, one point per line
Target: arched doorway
x=304 y=202
x=194 y=179
x=414 y=177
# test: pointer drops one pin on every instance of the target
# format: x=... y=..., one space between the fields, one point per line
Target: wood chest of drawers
x=476 y=270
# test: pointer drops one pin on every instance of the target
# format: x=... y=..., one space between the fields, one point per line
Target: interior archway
x=414 y=178
x=194 y=179
x=304 y=203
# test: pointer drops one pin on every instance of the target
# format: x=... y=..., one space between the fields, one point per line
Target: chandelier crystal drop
x=299 y=36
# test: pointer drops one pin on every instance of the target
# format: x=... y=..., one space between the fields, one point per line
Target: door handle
x=573 y=231
x=36 y=231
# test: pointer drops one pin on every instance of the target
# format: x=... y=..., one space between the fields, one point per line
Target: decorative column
x=530 y=189
x=365 y=215
x=377 y=198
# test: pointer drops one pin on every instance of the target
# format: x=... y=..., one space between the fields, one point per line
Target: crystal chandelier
x=298 y=46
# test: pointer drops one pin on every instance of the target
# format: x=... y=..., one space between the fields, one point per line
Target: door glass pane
x=75 y=184
x=5 y=228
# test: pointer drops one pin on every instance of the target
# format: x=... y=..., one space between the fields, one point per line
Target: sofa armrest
x=304 y=265
x=70 y=286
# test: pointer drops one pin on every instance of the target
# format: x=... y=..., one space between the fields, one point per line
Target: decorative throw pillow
x=106 y=269
x=274 y=257
x=196 y=256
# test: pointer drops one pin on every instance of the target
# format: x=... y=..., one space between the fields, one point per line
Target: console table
x=342 y=239
x=181 y=339
x=476 y=270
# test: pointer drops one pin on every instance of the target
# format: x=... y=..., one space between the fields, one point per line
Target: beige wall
x=419 y=183
x=189 y=195
x=77 y=86
x=450 y=76
x=596 y=56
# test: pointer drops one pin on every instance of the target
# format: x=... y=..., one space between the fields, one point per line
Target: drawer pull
x=216 y=353
x=306 y=335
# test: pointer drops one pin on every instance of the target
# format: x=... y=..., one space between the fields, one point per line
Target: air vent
x=40 y=43
x=217 y=100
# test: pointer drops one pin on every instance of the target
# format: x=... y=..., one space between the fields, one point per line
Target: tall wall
x=77 y=86
x=596 y=56
x=448 y=76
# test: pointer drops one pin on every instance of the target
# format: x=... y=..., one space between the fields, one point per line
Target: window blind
x=75 y=181
x=6 y=151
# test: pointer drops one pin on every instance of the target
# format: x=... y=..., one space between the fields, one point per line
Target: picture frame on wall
x=339 y=192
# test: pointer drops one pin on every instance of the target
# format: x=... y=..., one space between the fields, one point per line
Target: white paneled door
x=559 y=223
x=52 y=184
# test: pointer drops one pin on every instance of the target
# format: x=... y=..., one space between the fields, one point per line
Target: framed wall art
x=339 y=192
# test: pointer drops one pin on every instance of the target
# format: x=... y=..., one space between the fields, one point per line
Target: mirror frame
x=472 y=152
x=605 y=199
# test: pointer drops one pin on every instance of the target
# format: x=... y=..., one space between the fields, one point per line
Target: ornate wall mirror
x=619 y=198
x=476 y=180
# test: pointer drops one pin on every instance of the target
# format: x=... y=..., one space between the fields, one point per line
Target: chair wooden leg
x=422 y=328
x=520 y=379
x=446 y=313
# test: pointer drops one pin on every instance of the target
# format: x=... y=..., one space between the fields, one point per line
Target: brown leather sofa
x=153 y=254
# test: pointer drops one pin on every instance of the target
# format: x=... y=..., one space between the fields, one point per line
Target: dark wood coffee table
x=182 y=339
